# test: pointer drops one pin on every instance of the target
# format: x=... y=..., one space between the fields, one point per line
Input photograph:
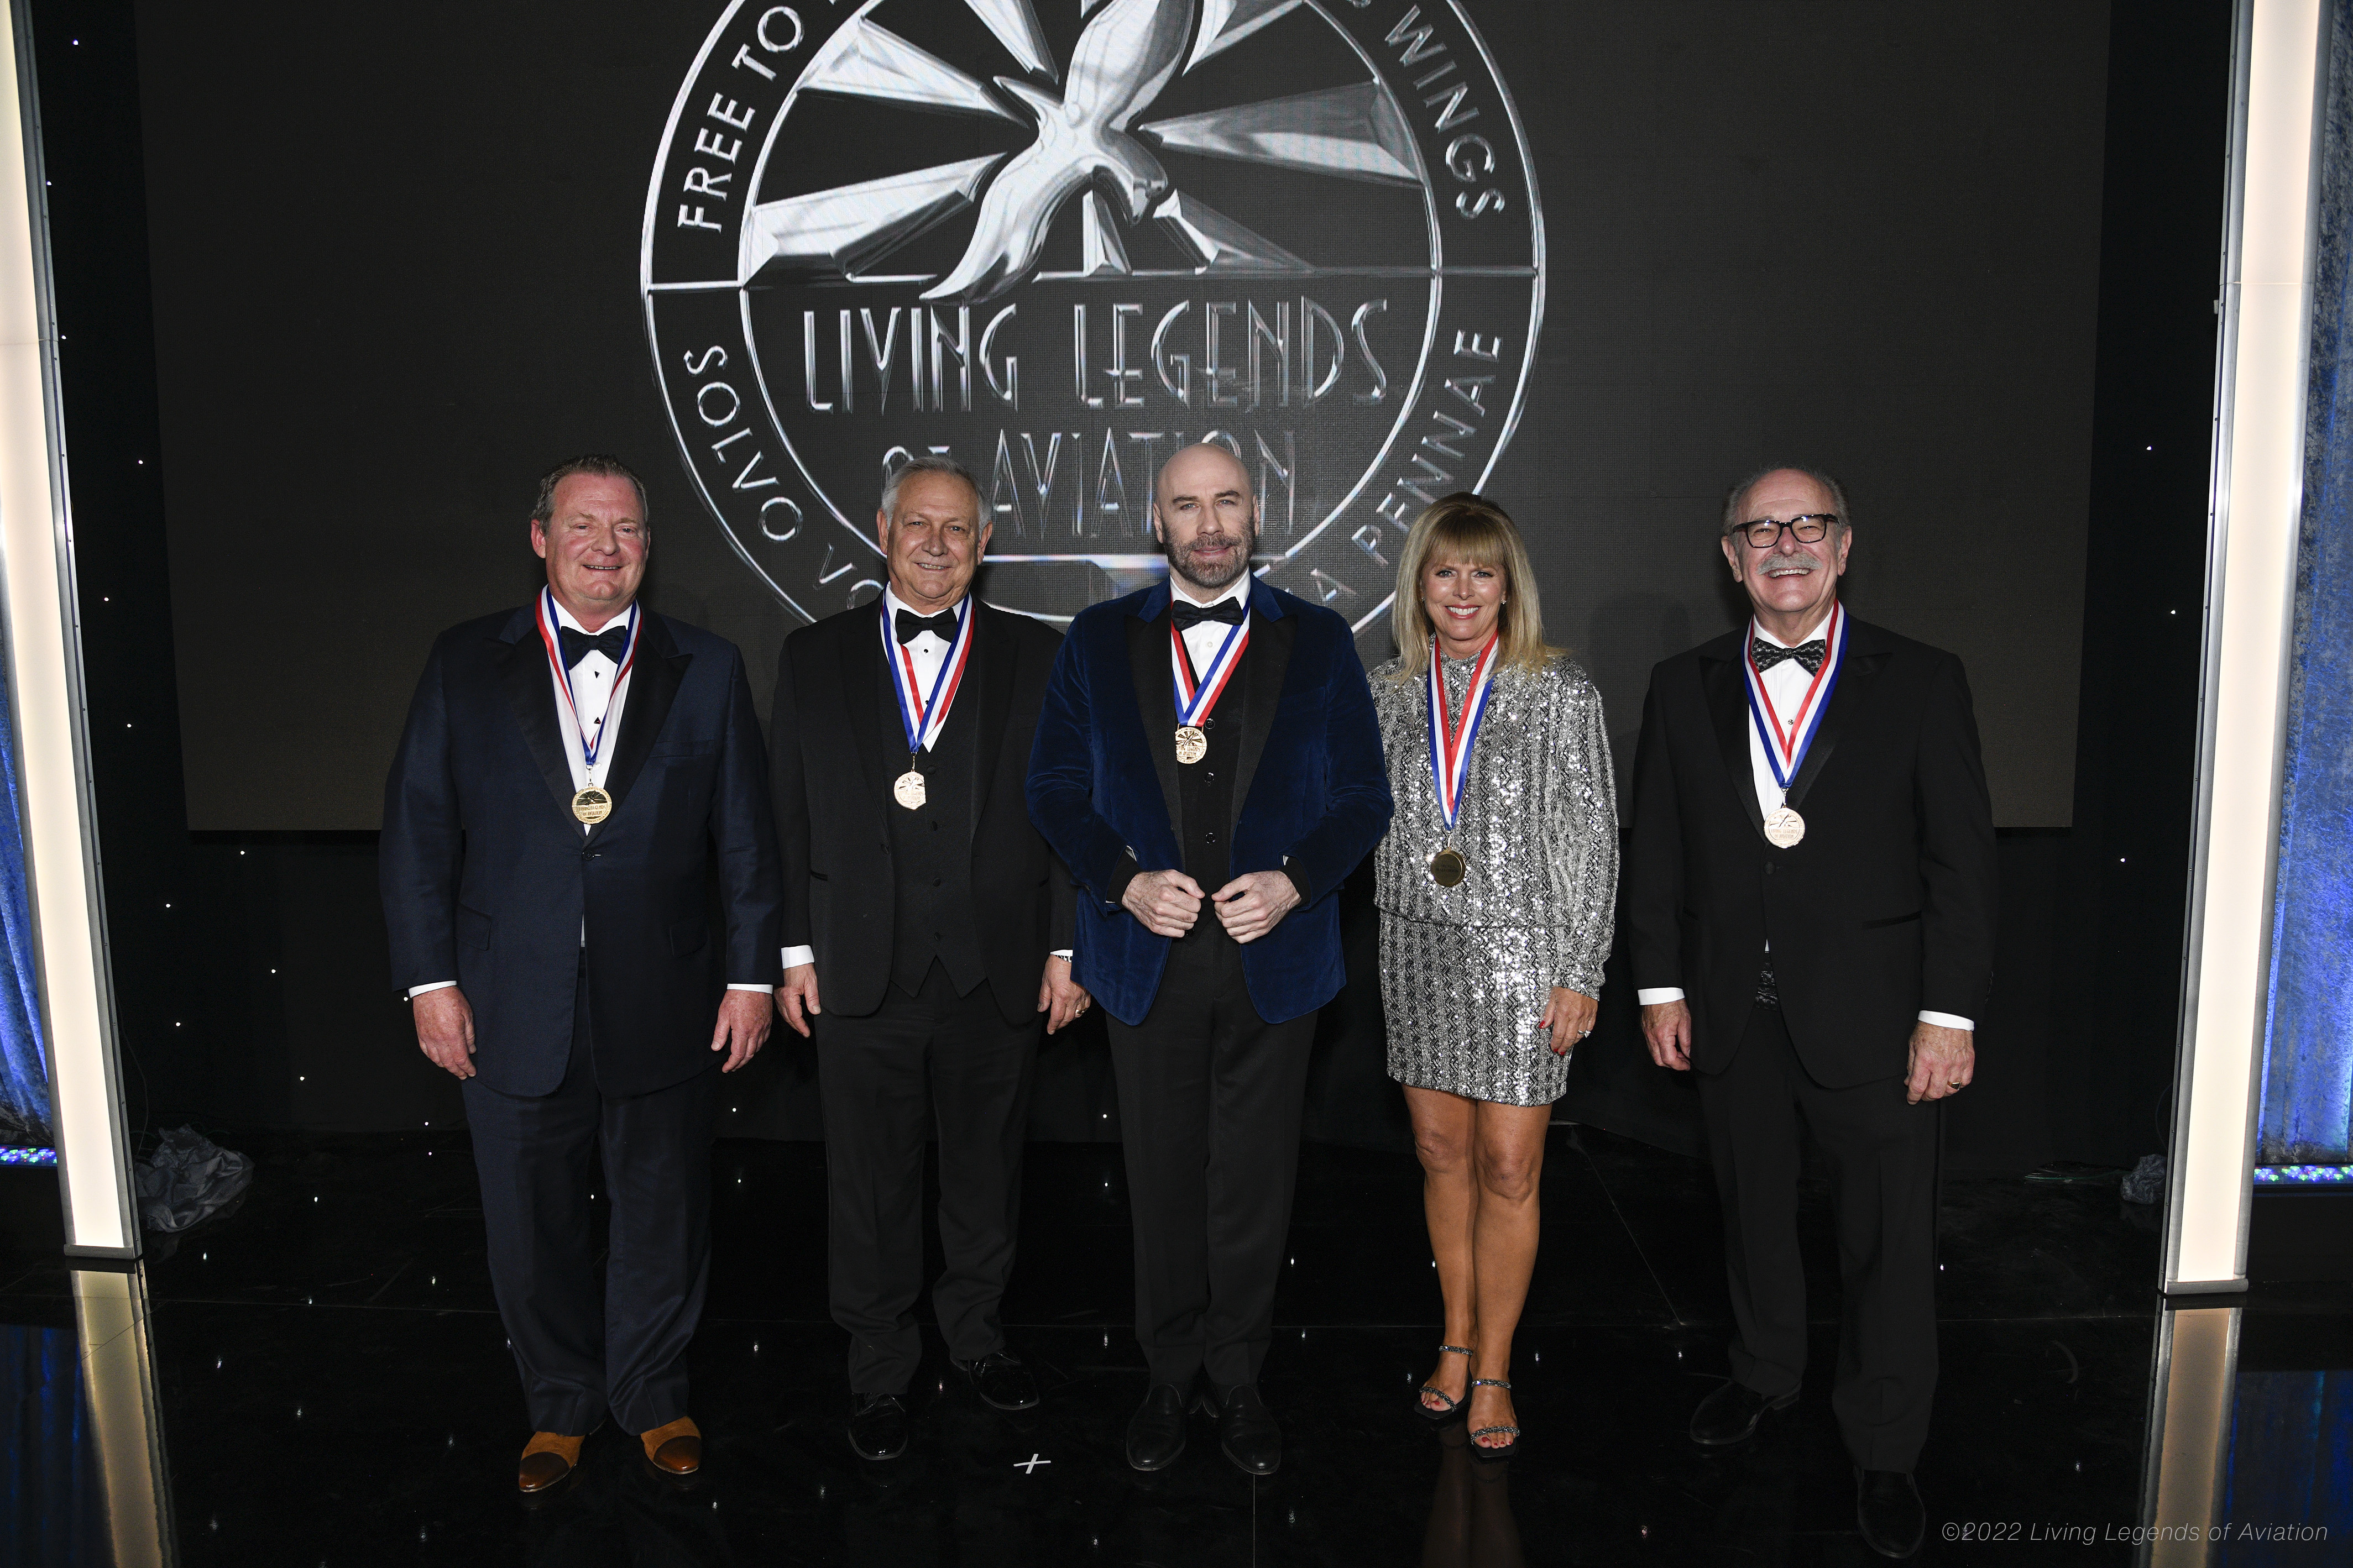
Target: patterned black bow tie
x=912 y=626
x=1188 y=615
x=1810 y=654
x=612 y=642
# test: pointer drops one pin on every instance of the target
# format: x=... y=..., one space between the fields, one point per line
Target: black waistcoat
x=931 y=851
x=1204 y=791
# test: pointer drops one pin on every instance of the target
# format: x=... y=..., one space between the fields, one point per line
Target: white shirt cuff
x=1656 y=994
x=1947 y=1021
x=796 y=956
x=417 y=991
x=763 y=990
x=1064 y=954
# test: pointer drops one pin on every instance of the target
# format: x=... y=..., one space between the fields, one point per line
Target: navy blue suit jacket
x=1311 y=792
x=487 y=878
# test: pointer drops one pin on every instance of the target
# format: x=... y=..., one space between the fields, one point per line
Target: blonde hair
x=1465 y=527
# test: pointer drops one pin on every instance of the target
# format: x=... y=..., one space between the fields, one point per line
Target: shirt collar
x=892 y=604
x=1238 y=589
x=565 y=618
x=1757 y=629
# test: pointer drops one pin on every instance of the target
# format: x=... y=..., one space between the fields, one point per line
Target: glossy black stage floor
x=333 y=1387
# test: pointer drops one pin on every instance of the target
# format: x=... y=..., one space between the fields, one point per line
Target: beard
x=1210 y=578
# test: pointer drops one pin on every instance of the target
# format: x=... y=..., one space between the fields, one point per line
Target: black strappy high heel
x=1501 y=1451
x=1453 y=1407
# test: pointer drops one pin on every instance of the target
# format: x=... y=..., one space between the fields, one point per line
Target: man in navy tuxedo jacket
x=581 y=882
x=1208 y=767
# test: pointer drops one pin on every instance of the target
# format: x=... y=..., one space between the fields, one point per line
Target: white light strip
x=2185 y=1456
x=45 y=699
x=2258 y=495
x=126 y=1423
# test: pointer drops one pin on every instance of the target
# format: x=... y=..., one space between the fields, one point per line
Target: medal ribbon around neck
x=1786 y=748
x=925 y=719
x=1197 y=698
x=589 y=745
x=1451 y=740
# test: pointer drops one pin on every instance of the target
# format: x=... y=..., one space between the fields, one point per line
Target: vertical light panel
x=2251 y=577
x=126 y=1422
x=2186 y=1455
x=45 y=690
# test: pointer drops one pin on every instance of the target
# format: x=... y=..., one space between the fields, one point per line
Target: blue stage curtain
x=2307 y=1097
x=52 y=1509
x=24 y=1079
x=2290 y=1465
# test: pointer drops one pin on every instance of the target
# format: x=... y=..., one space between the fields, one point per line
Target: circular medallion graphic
x=1059 y=245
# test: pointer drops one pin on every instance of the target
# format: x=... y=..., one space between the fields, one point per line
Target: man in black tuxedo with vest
x=1811 y=896
x=579 y=791
x=1209 y=767
x=926 y=931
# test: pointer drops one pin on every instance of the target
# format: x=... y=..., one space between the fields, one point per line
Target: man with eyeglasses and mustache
x=1811 y=894
x=1209 y=767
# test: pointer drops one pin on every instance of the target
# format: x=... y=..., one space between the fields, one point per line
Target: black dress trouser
x=957 y=1057
x=589 y=1340
x=1882 y=1159
x=1211 y=1096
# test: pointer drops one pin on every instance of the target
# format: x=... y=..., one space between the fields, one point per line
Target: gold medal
x=1191 y=744
x=592 y=806
x=1448 y=867
x=1785 y=828
x=907 y=789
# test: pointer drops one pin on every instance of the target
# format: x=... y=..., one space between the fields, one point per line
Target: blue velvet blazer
x=1311 y=792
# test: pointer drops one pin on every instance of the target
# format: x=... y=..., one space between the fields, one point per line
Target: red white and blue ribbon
x=589 y=744
x=924 y=717
x=1787 y=741
x=1451 y=740
x=1197 y=696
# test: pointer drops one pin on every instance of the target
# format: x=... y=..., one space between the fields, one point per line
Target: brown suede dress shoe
x=675 y=1449
x=547 y=1459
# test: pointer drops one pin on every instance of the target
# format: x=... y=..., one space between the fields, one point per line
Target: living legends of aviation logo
x=1060 y=242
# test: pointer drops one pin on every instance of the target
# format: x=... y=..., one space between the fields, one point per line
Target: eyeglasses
x=1806 y=528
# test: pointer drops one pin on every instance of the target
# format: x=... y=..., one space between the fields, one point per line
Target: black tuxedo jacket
x=487 y=878
x=833 y=753
x=1885 y=909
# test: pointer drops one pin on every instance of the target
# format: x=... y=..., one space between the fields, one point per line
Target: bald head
x=1206 y=517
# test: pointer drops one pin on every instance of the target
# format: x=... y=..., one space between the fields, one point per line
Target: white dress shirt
x=925 y=651
x=1786 y=684
x=1203 y=641
x=598 y=699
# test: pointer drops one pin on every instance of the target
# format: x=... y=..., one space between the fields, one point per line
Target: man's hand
x=1943 y=1062
x=445 y=1030
x=742 y=1026
x=798 y=992
x=1168 y=903
x=1251 y=905
x=1060 y=997
x=1567 y=1018
x=1666 y=1029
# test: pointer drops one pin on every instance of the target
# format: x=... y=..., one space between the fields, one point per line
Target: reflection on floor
x=334 y=1389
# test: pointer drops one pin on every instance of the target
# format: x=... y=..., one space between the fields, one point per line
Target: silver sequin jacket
x=1539 y=820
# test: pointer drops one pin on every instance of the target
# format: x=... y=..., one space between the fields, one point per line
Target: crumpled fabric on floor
x=187 y=1180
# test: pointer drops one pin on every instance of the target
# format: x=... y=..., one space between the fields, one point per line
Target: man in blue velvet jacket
x=581 y=885
x=1208 y=767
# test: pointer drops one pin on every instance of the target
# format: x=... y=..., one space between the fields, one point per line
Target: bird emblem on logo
x=1124 y=59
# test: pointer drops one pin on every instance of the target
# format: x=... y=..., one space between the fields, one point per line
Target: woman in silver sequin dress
x=1494 y=928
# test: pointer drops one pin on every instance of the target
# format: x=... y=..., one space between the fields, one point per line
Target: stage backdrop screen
x=1596 y=260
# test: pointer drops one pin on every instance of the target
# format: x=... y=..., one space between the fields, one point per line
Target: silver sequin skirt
x=1462 y=1006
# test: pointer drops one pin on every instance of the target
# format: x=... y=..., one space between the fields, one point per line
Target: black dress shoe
x=1247 y=1433
x=878 y=1426
x=1888 y=1512
x=1156 y=1433
x=1730 y=1414
x=1001 y=1380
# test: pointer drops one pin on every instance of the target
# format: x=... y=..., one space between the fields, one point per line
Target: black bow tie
x=912 y=626
x=1767 y=655
x=1188 y=615
x=612 y=642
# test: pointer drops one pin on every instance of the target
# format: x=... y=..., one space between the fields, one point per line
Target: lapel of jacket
x=655 y=676
x=1866 y=654
x=865 y=687
x=992 y=662
x=523 y=674
x=1264 y=669
x=1727 y=708
x=1155 y=698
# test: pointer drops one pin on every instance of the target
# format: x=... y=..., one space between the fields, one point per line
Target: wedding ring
x=1953 y=1083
